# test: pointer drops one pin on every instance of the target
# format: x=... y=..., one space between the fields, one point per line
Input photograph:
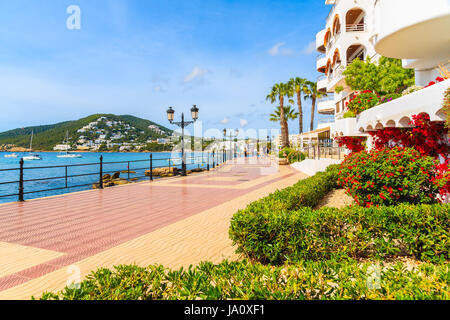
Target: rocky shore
x=115 y=179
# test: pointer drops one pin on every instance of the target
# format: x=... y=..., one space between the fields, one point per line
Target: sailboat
x=32 y=156
x=67 y=154
x=12 y=155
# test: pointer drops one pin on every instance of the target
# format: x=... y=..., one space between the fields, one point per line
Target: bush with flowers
x=354 y=144
x=389 y=176
x=363 y=101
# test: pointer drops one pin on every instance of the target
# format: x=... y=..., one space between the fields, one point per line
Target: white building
x=346 y=36
x=415 y=31
x=61 y=147
x=420 y=37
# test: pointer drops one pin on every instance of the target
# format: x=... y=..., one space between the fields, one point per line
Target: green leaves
x=278 y=236
x=387 y=77
x=328 y=280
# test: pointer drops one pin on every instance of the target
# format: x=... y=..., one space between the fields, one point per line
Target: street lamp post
x=182 y=124
x=232 y=135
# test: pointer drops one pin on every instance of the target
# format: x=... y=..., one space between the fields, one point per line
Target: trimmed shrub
x=305 y=193
x=278 y=236
x=243 y=280
x=389 y=176
x=349 y=114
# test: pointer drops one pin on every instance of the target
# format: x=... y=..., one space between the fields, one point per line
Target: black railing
x=133 y=172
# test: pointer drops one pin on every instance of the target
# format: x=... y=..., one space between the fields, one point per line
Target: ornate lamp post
x=182 y=124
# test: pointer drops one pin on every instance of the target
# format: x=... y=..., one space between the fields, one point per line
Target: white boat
x=67 y=154
x=12 y=155
x=32 y=156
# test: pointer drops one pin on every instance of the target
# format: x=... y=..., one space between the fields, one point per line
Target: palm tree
x=312 y=94
x=289 y=114
x=299 y=86
x=279 y=92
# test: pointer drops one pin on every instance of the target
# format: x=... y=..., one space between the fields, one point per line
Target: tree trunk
x=283 y=123
x=300 y=112
x=313 y=111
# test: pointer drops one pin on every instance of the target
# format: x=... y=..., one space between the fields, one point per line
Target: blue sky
x=139 y=57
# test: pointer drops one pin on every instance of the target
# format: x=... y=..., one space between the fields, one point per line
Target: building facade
x=415 y=31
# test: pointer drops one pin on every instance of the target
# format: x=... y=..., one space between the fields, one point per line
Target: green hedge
x=275 y=236
x=305 y=193
x=243 y=280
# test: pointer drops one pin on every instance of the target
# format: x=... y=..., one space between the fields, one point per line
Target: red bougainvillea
x=354 y=144
x=438 y=79
x=429 y=138
x=389 y=176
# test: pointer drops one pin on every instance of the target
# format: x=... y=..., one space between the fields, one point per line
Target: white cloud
x=276 y=50
x=310 y=48
x=225 y=121
x=243 y=123
x=196 y=74
x=158 y=89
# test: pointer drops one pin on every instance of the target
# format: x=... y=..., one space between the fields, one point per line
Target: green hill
x=47 y=136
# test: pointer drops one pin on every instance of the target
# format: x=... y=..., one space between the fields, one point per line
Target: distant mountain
x=47 y=136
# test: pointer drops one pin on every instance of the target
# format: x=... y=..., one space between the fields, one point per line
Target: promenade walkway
x=47 y=243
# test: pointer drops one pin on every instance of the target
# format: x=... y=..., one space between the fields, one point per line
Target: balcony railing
x=320 y=56
x=355 y=27
x=321 y=77
x=328 y=97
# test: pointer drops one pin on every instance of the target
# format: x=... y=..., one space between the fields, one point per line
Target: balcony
x=344 y=128
x=322 y=82
x=336 y=78
x=320 y=36
x=323 y=123
x=326 y=105
x=321 y=63
x=412 y=29
x=355 y=27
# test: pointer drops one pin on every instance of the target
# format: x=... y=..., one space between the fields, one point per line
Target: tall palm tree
x=312 y=94
x=279 y=92
x=299 y=87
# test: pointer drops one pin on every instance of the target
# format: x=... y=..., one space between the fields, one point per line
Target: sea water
x=88 y=164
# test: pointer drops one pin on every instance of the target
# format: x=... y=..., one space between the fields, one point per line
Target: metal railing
x=318 y=152
x=355 y=27
x=135 y=170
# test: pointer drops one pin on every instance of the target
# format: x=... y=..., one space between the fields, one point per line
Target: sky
x=140 y=57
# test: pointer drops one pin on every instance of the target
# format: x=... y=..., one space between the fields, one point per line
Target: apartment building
x=415 y=31
x=346 y=36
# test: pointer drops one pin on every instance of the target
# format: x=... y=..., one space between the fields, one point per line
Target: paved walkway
x=48 y=243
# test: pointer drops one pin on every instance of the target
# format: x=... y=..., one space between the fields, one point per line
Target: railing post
x=214 y=159
x=151 y=166
x=21 y=181
x=207 y=166
x=128 y=171
x=101 y=172
x=66 y=177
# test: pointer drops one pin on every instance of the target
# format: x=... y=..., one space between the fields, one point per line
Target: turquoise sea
x=52 y=167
